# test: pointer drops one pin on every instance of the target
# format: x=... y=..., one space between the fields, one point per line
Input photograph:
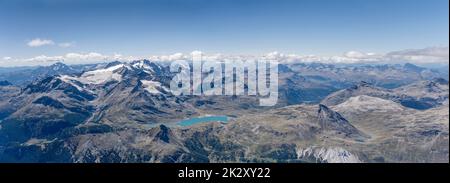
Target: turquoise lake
x=205 y=119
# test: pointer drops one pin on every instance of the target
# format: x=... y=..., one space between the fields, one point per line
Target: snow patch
x=142 y=65
x=328 y=155
x=70 y=80
x=101 y=75
x=152 y=86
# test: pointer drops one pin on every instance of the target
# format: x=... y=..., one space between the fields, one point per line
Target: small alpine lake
x=203 y=119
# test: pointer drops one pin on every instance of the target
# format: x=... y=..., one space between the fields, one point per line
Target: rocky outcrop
x=333 y=122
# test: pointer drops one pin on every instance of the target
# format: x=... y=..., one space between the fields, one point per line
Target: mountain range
x=124 y=112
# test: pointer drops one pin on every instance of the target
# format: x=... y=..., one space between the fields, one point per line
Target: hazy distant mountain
x=385 y=76
x=27 y=75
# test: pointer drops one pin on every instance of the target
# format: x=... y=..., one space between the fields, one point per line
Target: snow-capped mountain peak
x=98 y=76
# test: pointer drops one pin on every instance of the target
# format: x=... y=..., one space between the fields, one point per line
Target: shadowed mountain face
x=124 y=112
x=332 y=121
x=5 y=83
x=7 y=91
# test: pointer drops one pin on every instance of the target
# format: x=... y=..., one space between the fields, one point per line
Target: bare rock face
x=331 y=121
x=327 y=155
x=164 y=134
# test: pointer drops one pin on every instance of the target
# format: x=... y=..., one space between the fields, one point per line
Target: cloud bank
x=431 y=55
x=69 y=58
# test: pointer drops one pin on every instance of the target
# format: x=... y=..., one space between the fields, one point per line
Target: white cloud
x=419 y=56
x=197 y=52
x=40 y=42
x=44 y=59
x=275 y=56
x=361 y=55
x=69 y=58
x=37 y=42
x=426 y=55
x=173 y=57
x=181 y=56
x=176 y=56
x=92 y=56
x=66 y=45
x=415 y=56
x=74 y=58
x=348 y=57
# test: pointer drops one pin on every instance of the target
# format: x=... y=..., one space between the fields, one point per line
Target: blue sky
x=137 y=27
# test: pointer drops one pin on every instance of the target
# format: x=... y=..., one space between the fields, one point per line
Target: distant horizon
x=426 y=56
x=38 y=31
x=402 y=63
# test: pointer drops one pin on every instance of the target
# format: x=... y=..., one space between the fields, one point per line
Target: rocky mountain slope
x=123 y=112
x=418 y=95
